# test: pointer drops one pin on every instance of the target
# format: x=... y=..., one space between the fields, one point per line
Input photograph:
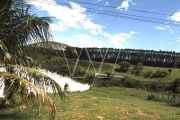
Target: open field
x=57 y=64
x=100 y=103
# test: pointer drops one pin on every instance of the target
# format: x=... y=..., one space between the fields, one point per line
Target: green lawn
x=100 y=103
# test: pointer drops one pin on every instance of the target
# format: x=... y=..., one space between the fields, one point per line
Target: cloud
x=171 y=30
x=125 y=4
x=94 y=32
x=107 y=3
x=178 y=39
x=132 y=32
x=99 y=0
x=69 y=17
x=74 y=17
x=160 y=28
x=175 y=17
x=83 y=40
x=118 y=39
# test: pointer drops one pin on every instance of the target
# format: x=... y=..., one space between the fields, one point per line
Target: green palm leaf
x=29 y=84
x=18 y=29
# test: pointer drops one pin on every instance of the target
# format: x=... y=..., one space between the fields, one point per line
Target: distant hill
x=51 y=48
x=169 y=59
x=160 y=58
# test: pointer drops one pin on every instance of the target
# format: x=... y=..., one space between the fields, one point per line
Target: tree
x=124 y=65
x=89 y=80
x=66 y=85
x=170 y=70
x=138 y=66
x=175 y=87
x=18 y=28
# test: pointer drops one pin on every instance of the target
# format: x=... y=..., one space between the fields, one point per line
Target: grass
x=109 y=67
x=94 y=67
x=106 y=103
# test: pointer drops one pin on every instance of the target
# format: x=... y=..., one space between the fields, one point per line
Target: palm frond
x=4 y=51
x=19 y=86
x=39 y=79
x=22 y=29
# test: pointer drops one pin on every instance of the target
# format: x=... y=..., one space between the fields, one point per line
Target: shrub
x=170 y=70
x=150 y=97
x=138 y=66
x=137 y=72
x=133 y=71
x=148 y=74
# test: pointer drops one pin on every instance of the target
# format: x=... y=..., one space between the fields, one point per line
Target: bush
x=148 y=74
x=133 y=71
x=124 y=66
x=116 y=82
x=170 y=70
x=128 y=84
x=159 y=73
x=150 y=97
x=139 y=66
x=137 y=72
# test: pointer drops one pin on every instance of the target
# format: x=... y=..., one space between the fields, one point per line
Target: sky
x=133 y=24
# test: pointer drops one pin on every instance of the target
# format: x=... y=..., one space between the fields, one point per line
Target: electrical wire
x=121 y=15
x=122 y=8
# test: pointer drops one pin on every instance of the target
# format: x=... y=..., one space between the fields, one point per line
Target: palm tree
x=18 y=28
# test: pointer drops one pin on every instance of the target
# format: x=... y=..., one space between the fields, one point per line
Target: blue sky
x=74 y=25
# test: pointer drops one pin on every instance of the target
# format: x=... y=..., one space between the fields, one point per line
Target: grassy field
x=94 y=67
x=111 y=68
x=100 y=103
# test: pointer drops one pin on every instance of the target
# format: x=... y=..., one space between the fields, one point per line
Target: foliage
x=66 y=86
x=149 y=57
x=159 y=73
x=147 y=74
x=150 y=97
x=170 y=70
x=19 y=29
x=138 y=72
x=176 y=86
x=124 y=65
x=139 y=66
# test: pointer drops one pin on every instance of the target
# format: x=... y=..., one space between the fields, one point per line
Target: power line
x=123 y=15
x=122 y=8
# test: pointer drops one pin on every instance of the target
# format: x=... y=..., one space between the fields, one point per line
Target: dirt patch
x=100 y=117
x=142 y=113
x=94 y=102
x=82 y=115
x=156 y=116
x=82 y=101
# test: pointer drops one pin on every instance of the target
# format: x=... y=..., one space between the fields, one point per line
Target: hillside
x=101 y=103
x=63 y=60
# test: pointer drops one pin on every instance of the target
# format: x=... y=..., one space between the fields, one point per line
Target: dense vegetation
x=24 y=85
x=148 y=57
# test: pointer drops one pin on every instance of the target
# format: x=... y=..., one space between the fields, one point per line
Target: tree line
x=160 y=58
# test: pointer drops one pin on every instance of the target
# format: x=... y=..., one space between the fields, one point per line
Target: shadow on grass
x=174 y=105
x=9 y=116
x=119 y=70
x=15 y=114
